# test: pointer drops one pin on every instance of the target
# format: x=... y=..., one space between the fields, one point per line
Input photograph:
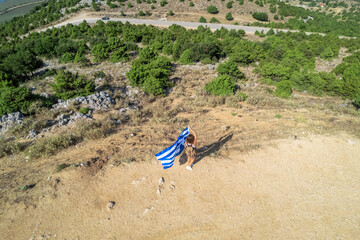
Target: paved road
x=166 y=23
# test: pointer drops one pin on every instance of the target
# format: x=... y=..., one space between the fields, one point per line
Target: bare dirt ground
x=295 y=189
x=257 y=176
x=323 y=65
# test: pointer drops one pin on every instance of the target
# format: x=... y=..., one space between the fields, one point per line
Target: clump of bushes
x=357 y=101
x=214 y=20
x=83 y=130
x=230 y=68
x=221 y=86
x=261 y=16
x=84 y=110
x=212 y=9
x=8 y=147
x=13 y=99
x=68 y=85
x=229 y=17
x=150 y=72
x=283 y=89
x=202 y=19
x=186 y=58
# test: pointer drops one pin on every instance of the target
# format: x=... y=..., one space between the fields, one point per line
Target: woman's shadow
x=207 y=150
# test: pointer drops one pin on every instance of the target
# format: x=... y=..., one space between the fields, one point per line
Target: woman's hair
x=190 y=138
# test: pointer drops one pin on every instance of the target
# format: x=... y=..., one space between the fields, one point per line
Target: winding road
x=165 y=23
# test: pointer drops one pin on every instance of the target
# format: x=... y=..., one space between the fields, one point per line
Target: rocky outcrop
x=97 y=101
x=10 y=119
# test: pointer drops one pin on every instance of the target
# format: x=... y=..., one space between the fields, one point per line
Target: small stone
x=110 y=205
x=351 y=142
x=161 y=182
x=138 y=181
x=146 y=210
x=158 y=191
x=225 y=128
x=172 y=185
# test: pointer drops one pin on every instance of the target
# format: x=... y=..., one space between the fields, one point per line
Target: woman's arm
x=194 y=133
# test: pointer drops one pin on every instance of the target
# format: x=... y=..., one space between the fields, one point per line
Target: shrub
x=130 y=5
x=327 y=53
x=202 y=19
x=229 y=17
x=147 y=53
x=357 y=101
x=278 y=115
x=151 y=74
x=119 y=55
x=84 y=110
x=212 y=9
x=283 y=89
x=241 y=2
x=273 y=9
x=229 y=4
x=141 y=13
x=68 y=85
x=230 y=68
x=191 y=4
x=100 y=51
x=163 y=3
x=67 y=57
x=171 y=13
x=51 y=145
x=13 y=99
x=276 y=17
x=99 y=74
x=261 y=16
x=61 y=166
x=8 y=147
x=221 y=86
x=186 y=58
x=214 y=20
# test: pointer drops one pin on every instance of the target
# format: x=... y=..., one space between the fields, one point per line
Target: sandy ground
x=305 y=188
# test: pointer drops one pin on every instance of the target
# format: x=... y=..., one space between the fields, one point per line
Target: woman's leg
x=190 y=161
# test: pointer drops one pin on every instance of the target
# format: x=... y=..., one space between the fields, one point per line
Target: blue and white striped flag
x=168 y=155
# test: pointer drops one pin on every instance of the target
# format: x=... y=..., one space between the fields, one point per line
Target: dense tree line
x=281 y=57
x=46 y=13
x=313 y=21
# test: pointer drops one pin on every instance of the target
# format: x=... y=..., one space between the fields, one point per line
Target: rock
x=146 y=210
x=210 y=67
x=352 y=142
x=225 y=128
x=342 y=105
x=110 y=205
x=161 y=182
x=98 y=101
x=158 y=191
x=32 y=134
x=138 y=181
x=45 y=95
x=10 y=119
x=172 y=185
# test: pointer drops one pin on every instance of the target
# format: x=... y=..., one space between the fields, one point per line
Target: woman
x=190 y=148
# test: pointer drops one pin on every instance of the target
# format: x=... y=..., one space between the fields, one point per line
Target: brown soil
x=256 y=176
x=323 y=65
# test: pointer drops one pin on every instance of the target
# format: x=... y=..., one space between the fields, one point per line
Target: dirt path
x=298 y=189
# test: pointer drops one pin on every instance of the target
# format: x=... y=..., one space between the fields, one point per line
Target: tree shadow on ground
x=207 y=150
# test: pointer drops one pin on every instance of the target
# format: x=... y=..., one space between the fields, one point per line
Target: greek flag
x=168 y=155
